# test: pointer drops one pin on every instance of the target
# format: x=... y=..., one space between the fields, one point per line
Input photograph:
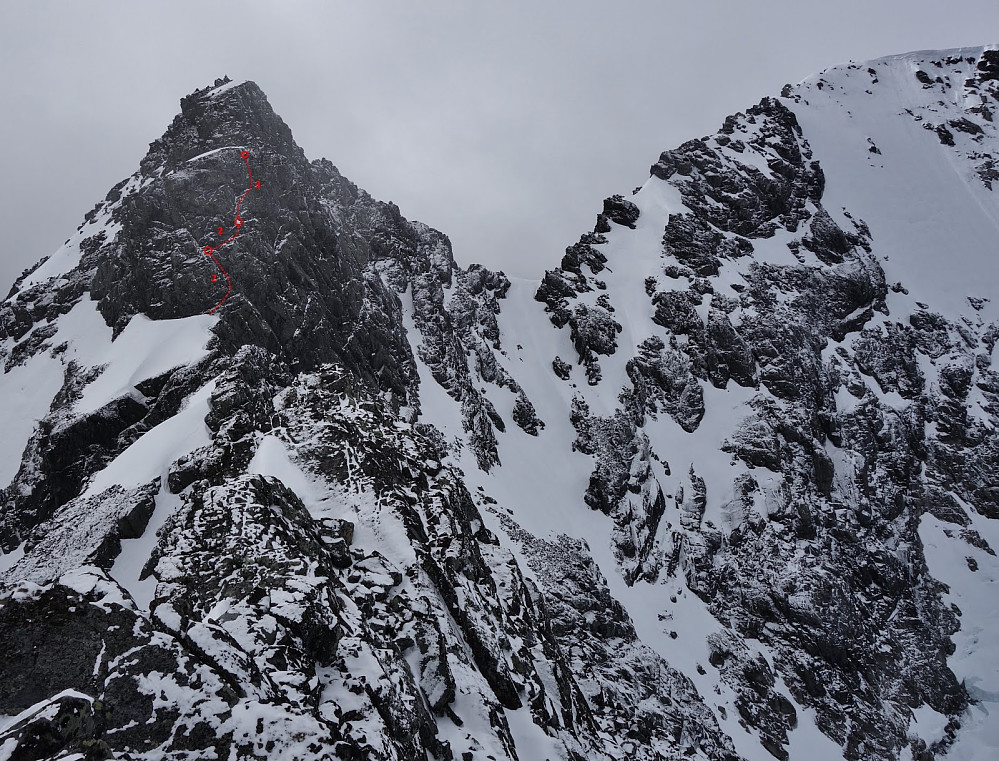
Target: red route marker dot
x=238 y=221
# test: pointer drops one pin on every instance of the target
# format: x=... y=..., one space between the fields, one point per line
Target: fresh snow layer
x=144 y=349
x=10 y=559
x=47 y=709
x=375 y=527
x=67 y=257
x=63 y=260
x=273 y=459
x=529 y=738
x=933 y=222
x=975 y=659
x=148 y=458
x=214 y=151
x=225 y=88
x=127 y=568
x=27 y=391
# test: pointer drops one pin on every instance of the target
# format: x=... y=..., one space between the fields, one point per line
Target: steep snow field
x=935 y=223
x=33 y=384
x=146 y=348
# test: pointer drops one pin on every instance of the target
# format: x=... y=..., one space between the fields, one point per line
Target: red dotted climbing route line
x=237 y=225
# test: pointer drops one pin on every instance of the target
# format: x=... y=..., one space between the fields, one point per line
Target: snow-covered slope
x=720 y=485
x=907 y=139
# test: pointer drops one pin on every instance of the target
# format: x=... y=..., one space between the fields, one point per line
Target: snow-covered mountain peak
x=979 y=63
x=720 y=486
x=227 y=115
x=911 y=140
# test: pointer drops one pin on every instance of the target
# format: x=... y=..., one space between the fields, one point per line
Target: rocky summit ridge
x=720 y=484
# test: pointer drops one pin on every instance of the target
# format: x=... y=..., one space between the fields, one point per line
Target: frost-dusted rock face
x=302 y=267
x=302 y=284
x=721 y=485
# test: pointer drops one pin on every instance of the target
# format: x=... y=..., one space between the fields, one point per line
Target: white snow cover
x=9 y=560
x=273 y=459
x=32 y=385
x=144 y=349
x=44 y=709
x=225 y=88
x=975 y=660
x=68 y=255
x=80 y=526
x=214 y=151
x=933 y=220
x=146 y=459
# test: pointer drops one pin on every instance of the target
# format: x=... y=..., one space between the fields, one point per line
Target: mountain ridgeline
x=719 y=484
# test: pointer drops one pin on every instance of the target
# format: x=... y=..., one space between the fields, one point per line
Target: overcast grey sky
x=503 y=124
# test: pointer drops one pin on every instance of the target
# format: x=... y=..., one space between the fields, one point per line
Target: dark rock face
x=593 y=329
x=758 y=703
x=620 y=210
x=304 y=289
x=630 y=689
x=663 y=380
x=827 y=666
x=593 y=332
x=750 y=202
x=728 y=355
x=87 y=639
x=304 y=281
x=69 y=453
